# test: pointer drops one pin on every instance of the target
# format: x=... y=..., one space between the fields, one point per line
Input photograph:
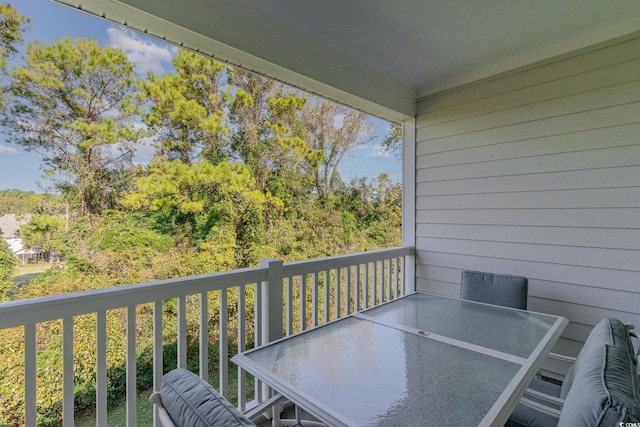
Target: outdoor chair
x=600 y=389
x=498 y=289
x=186 y=400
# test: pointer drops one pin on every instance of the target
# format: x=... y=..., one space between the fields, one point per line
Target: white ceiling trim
x=389 y=100
x=587 y=40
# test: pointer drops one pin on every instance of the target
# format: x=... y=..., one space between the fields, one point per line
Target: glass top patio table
x=419 y=360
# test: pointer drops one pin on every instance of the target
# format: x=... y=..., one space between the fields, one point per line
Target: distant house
x=10 y=229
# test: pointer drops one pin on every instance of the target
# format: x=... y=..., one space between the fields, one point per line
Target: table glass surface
x=376 y=375
x=515 y=332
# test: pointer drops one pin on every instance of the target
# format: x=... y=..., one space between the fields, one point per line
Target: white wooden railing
x=288 y=298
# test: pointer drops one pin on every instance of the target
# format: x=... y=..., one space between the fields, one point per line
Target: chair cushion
x=498 y=289
x=191 y=401
x=607 y=332
x=604 y=391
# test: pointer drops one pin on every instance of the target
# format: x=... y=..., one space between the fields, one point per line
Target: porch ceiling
x=376 y=55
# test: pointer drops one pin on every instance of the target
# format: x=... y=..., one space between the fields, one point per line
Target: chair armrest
x=555 y=413
x=257 y=410
x=561 y=357
x=545 y=397
x=163 y=415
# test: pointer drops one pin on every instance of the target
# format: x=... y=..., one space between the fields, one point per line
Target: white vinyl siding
x=537 y=173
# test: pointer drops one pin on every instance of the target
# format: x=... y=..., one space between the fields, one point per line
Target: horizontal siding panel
x=608 y=218
x=628 y=197
x=627 y=176
x=587 y=315
x=595 y=119
x=575 y=236
x=586 y=276
x=439 y=288
x=586 y=296
x=550 y=70
x=604 y=158
x=618 y=74
x=609 y=137
x=569 y=255
x=587 y=101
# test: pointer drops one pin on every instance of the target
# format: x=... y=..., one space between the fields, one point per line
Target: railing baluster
x=395 y=277
x=303 y=302
x=30 y=370
x=336 y=293
x=314 y=298
x=366 y=285
x=101 y=369
x=157 y=353
x=182 y=332
x=204 y=337
x=242 y=336
x=347 y=290
x=289 y=312
x=224 y=348
x=374 y=283
x=380 y=271
x=326 y=296
x=131 y=366
x=356 y=290
x=67 y=372
x=387 y=264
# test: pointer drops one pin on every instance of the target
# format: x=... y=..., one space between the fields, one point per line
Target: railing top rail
x=36 y=310
x=309 y=266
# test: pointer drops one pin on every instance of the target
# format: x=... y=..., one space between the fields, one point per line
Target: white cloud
x=146 y=55
x=378 y=151
x=9 y=150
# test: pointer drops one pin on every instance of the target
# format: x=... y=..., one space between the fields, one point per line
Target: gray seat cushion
x=604 y=391
x=498 y=289
x=192 y=402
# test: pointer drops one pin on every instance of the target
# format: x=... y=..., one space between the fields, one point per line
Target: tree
x=393 y=140
x=75 y=103
x=333 y=129
x=12 y=25
x=43 y=231
x=8 y=263
x=267 y=133
x=188 y=109
x=199 y=202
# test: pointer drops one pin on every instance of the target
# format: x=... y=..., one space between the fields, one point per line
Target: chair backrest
x=601 y=388
x=190 y=401
x=498 y=289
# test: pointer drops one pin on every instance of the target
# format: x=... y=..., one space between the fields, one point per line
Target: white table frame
x=496 y=416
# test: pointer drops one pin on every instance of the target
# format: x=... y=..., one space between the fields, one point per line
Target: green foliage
x=44 y=231
x=11 y=27
x=7 y=267
x=27 y=202
x=75 y=102
x=187 y=109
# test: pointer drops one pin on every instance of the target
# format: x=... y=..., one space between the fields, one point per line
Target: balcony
x=237 y=310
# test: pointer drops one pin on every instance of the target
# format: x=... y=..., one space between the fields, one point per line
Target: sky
x=21 y=170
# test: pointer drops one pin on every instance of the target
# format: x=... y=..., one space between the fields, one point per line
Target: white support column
x=409 y=201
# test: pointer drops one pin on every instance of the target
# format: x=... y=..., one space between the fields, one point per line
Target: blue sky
x=20 y=169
